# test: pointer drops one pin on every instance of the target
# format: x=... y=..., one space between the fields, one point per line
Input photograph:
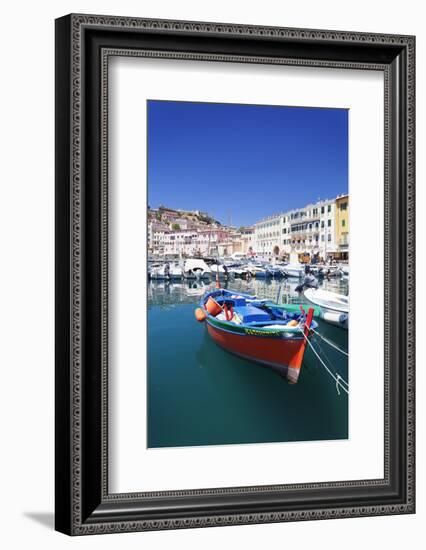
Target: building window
x=329 y=237
x=343 y=206
x=329 y=208
x=329 y=223
x=343 y=223
x=322 y=209
x=322 y=224
x=322 y=237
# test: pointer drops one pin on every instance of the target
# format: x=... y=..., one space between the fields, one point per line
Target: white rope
x=336 y=378
x=337 y=384
x=330 y=343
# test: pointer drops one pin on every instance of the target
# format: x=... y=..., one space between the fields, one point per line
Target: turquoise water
x=199 y=394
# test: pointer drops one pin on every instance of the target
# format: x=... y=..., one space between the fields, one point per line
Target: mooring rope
x=330 y=343
x=337 y=378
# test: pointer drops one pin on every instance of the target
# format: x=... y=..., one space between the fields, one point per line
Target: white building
x=157 y=232
x=308 y=230
x=181 y=243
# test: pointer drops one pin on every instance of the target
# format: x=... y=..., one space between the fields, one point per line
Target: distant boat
x=195 y=268
x=167 y=272
x=334 y=307
x=260 y=271
x=221 y=270
x=294 y=270
x=257 y=331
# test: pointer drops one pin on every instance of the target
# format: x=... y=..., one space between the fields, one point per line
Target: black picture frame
x=83 y=45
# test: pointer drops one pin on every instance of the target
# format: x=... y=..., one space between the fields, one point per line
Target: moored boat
x=195 y=268
x=258 y=331
x=334 y=307
x=221 y=270
x=166 y=272
x=294 y=270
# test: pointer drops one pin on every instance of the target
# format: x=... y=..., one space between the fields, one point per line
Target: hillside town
x=317 y=230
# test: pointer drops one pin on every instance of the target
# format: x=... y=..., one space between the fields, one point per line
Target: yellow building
x=341 y=224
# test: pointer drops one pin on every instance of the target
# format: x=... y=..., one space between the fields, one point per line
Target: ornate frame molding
x=73 y=504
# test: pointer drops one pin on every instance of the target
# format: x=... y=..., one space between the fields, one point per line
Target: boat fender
x=292 y=323
x=200 y=315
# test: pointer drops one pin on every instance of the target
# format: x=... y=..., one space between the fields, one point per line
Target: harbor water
x=200 y=394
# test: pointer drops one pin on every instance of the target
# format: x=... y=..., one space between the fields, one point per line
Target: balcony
x=344 y=241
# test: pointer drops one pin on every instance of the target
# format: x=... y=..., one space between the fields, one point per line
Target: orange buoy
x=292 y=323
x=200 y=314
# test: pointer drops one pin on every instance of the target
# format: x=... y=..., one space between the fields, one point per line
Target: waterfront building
x=247 y=240
x=209 y=239
x=308 y=231
x=157 y=232
x=239 y=242
x=342 y=226
x=267 y=236
x=318 y=230
x=180 y=243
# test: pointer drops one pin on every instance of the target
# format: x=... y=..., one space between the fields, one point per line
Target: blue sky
x=241 y=163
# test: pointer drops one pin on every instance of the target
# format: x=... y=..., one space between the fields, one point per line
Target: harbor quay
x=318 y=231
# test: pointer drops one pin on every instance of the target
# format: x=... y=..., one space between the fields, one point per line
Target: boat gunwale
x=326 y=306
x=229 y=326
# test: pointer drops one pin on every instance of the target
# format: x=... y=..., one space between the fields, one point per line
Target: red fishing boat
x=258 y=330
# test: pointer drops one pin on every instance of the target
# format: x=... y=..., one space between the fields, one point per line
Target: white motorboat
x=334 y=307
x=195 y=268
x=222 y=270
x=294 y=270
x=167 y=272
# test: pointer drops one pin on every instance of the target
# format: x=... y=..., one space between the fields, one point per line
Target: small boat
x=328 y=270
x=276 y=271
x=195 y=268
x=260 y=271
x=258 y=331
x=334 y=307
x=238 y=273
x=294 y=270
x=221 y=270
x=166 y=272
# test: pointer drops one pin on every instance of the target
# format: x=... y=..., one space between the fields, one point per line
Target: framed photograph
x=234 y=274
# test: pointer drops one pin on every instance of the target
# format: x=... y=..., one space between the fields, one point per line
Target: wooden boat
x=258 y=331
x=334 y=307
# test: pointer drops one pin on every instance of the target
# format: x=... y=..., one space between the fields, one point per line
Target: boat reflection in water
x=282 y=291
x=164 y=293
x=200 y=394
